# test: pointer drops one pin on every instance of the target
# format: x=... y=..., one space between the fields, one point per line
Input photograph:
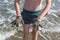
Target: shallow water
x=50 y=22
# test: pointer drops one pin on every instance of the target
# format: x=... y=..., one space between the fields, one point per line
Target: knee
x=26 y=28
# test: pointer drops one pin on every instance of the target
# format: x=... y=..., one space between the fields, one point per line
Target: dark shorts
x=30 y=16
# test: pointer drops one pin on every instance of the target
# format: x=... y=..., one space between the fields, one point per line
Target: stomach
x=33 y=4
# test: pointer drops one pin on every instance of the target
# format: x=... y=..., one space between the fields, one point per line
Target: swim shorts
x=30 y=16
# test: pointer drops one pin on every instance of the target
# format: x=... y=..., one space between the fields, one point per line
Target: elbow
x=16 y=2
x=49 y=5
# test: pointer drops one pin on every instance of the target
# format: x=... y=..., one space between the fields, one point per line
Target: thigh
x=26 y=27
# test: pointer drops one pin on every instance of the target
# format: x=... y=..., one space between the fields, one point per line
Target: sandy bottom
x=19 y=36
x=42 y=36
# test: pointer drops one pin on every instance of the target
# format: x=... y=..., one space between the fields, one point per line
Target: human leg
x=35 y=33
x=25 y=31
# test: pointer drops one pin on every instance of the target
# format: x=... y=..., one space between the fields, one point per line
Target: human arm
x=45 y=10
x=18 y=14
x=17 y=7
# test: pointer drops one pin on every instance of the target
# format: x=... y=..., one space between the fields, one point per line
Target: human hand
x=16 y=21
x=36 y=24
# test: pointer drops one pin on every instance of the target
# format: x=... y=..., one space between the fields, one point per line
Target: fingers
x=16 y=21
x=40 y=25
x=13 y=25
x=13 y=22
x=17 y=25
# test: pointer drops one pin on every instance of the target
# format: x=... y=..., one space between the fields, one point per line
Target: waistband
x=32 y=11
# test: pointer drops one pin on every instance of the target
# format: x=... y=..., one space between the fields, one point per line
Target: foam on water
x=58 y=0
x=5 y=0
x=5 y=35
x=11 y=11
x=51 y=30
x=1 y=19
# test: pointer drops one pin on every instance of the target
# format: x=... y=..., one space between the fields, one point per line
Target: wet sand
x=19 y=36
x=42 y=36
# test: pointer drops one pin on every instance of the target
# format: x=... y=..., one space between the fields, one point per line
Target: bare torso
x=33 y=4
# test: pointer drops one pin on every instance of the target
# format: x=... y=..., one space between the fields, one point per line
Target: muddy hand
x=36 y=25
x=16 y=21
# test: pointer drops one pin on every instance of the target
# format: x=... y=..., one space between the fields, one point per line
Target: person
x=31 y=14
